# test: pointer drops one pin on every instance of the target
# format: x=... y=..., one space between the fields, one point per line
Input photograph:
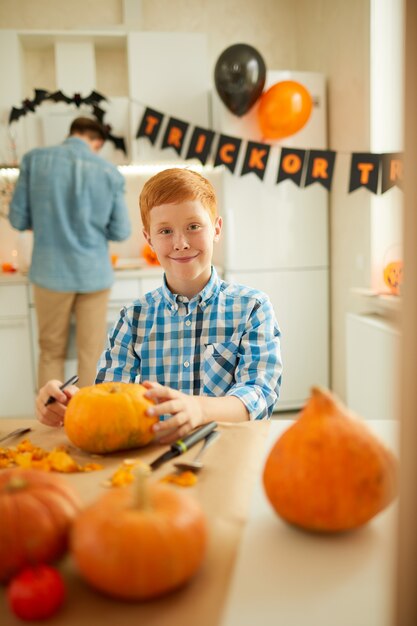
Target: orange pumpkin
x=139 y=542
x=328 y=472
x=149 y=255
x=393 y=276
x=36 y=512
x=109 y=417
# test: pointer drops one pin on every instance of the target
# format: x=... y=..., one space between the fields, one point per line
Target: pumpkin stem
x=16 y=483
x=141 y=499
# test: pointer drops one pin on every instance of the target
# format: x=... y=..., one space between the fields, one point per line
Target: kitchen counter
x=19 y=278
x=258 y=569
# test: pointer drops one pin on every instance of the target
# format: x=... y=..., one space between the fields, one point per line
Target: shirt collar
x=77 y=142
x=202 y=298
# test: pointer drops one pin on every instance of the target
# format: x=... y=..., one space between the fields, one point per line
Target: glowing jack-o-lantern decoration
x=393 y=276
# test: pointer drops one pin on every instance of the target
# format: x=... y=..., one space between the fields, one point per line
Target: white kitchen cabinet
x=16 y=373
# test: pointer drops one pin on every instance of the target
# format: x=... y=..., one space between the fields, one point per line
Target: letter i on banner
x=291 y=165
x=392 y=171
x=256 y=159
x=174 y=134
x=227 y=152
x=364 y=171
x=320 y=168
x=200 y=144
x=150 y=125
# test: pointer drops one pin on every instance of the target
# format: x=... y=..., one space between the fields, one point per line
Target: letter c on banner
x=225 y=152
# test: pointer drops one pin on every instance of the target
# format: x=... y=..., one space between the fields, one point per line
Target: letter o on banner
x=284 y=109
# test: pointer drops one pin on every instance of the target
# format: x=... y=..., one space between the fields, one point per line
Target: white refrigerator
x=276 y=239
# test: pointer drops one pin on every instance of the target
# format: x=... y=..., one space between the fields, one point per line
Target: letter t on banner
x=364 y=171
x=150 y=125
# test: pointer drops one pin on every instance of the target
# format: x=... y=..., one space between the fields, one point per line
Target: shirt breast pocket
x=219 y=365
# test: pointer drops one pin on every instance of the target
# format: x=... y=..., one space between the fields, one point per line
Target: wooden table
x=259 y=570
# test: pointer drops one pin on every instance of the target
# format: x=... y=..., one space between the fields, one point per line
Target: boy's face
x=182 y=236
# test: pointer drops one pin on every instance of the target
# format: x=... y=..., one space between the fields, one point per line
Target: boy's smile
x=182 y=236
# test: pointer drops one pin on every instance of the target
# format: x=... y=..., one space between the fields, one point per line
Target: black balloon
x=239 y=77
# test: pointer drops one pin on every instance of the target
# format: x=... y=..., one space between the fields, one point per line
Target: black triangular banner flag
x=227 y=152
x=320 y=168
x=150 y=125
x=200 y=144
x=392 y=171
x=291 y=165
x=174 y=134
x=256 y=159
x=364 y=171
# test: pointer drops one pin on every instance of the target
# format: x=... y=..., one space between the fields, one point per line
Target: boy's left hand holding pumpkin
x=186 y=411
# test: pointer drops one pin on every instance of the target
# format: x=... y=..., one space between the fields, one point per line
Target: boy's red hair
x=175 y=185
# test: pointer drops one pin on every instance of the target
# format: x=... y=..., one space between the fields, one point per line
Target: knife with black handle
x=182 y=445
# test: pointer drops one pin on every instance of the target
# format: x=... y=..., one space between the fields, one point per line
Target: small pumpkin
x=149 y=255
x=109 y=417
x=393 y=276
x=139 y=542
x=328 y=472
x=36 y=512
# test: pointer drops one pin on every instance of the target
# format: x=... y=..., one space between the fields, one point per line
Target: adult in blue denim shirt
x=73 y=200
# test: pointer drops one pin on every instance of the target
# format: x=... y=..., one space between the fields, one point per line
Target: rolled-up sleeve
x=259 y=365
x=119 y=227
x=20 y=214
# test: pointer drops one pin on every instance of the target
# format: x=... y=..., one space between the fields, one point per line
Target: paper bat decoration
x=118 y=142
x=93 y=98
x=28 y=105
x=58 y=96
x=99 y=113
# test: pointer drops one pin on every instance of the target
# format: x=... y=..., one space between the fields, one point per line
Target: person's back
x=73 y=200
x=71 y=192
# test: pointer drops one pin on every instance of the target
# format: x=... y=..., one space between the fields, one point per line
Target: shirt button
x=188 y=323
x=186 y=364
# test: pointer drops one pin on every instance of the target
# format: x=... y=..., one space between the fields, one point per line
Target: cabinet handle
x=13 y=323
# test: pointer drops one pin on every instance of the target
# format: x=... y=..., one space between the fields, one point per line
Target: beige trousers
x=54 y=310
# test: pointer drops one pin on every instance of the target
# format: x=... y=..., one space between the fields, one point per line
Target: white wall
x=386 y=130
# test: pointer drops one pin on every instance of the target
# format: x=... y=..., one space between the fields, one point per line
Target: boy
x=205 y=349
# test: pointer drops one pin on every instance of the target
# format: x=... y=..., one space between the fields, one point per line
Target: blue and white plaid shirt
x=224 y=341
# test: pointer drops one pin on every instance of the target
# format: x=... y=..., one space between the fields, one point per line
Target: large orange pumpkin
x=36 y=512
x=328 y=472
x=109 y=417
x=139 y=542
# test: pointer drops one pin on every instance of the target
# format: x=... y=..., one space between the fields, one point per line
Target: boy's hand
x=186 y=411
x=53 y=414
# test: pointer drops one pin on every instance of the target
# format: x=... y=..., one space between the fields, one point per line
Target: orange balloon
x=284 y=109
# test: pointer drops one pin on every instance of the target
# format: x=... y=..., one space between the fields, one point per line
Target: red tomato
x=36 y=592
